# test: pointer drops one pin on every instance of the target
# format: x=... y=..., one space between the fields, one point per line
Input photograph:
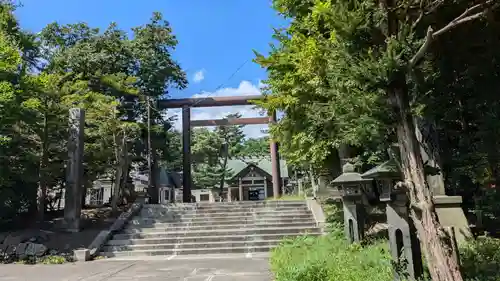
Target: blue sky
x=215 y=37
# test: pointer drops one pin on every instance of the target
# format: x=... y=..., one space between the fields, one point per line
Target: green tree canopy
x=359 y=73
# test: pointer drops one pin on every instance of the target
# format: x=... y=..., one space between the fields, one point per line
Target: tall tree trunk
x=42 y=170
x=344 y=152
x=127 y=193
x=438 y=249
x=334 y=163
x=119 y=158
x=154 y=176
x=116 y=189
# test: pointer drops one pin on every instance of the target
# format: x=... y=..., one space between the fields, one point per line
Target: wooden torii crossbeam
x=188 y=103
x=230 y=122
x=209 y=101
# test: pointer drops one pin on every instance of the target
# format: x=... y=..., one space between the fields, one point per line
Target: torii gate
x=188 y=103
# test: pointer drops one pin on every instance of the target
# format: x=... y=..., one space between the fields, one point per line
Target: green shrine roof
x=264 y=163
x=387 y=169
x=167 y=178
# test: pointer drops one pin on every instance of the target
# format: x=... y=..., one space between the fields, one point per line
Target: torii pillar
x=186 y=154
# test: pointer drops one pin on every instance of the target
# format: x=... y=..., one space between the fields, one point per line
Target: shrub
x=331 y=258
x=328 y=258
x=334 y=215
x=480 y=259
x=54 y=260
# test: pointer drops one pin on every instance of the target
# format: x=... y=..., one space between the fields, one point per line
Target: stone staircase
x=211 y=228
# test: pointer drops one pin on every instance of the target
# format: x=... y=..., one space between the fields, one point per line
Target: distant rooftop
x=264 y=163
x=236 y=165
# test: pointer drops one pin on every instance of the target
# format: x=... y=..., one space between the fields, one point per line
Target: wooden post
x=186 y=154
x=275 y=161
x=240 y=187
x=283 y=186
x=300 y=184
x=265 y=188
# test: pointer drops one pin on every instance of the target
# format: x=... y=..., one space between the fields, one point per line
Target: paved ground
x=207 y=268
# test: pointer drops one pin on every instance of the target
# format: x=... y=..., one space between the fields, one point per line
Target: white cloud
x=199 y=76
x=261 y=84
x=244 y=89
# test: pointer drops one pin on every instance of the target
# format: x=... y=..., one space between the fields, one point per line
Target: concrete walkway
x=197 y=268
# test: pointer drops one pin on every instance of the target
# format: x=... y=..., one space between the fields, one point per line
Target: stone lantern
x=403 y=240
x=386 y=175
x=351 y=186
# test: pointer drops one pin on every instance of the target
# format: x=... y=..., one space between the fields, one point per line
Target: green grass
x=328 y=258
x=331 y=258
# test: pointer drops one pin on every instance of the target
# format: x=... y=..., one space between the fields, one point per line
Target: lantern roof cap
x=349 y=176
x=388 y=169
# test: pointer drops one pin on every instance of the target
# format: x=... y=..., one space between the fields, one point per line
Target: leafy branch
x=473 y=13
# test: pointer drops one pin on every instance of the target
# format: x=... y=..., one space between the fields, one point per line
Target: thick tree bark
x=119 y=169
x=42 y=188
x=129 y=192
x=154 y=191
x=438 y=248
x=335 y=161
x=42 y=169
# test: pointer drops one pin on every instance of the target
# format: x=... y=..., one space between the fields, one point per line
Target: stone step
x=202 y=205
x=243 y=214
x=265 y=202
x=153 y=223
x=217 y=232
x=256 y=206
x=225 y=210
x=211 y=228
x=215 y=227
x=239 y=210
x=228 y=217
x=147 y=214
x=222 y=207
x=206 y=239
x=191 y=251
x=201 y=245
x=218 y=219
